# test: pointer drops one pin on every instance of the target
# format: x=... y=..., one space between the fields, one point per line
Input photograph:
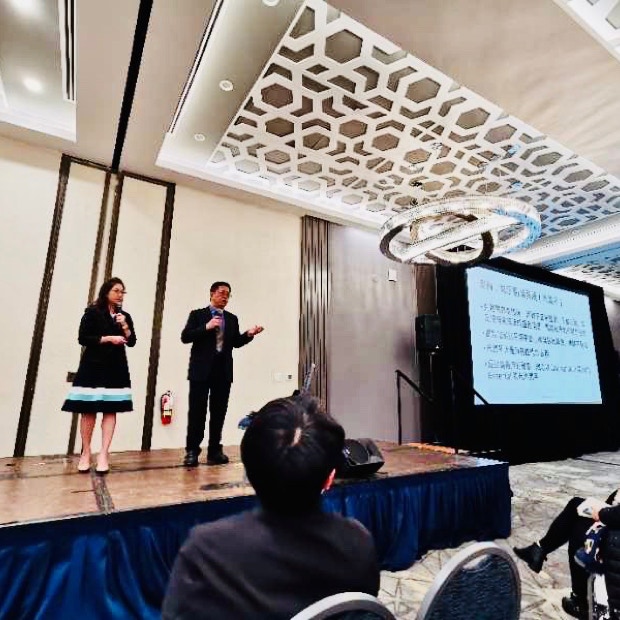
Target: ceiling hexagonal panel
x=366 y=127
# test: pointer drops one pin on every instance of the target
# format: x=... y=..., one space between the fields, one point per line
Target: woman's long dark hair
x=101 y=303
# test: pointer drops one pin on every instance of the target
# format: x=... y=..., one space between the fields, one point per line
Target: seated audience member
x=278 y=559
x=570 y=527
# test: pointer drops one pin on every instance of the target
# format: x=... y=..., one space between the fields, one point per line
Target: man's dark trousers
x=215 y=390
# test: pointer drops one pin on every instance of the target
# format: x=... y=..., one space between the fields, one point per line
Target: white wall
x=28 y=180
x=136 y=260
x=257 y=251
x=49 y=428
x=213 y=238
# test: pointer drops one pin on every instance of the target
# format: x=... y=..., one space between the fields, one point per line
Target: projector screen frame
x=504 y=426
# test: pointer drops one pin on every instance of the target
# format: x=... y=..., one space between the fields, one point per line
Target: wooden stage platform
x=80 y=545
x=46 y=488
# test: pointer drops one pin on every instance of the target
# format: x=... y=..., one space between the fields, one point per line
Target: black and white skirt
x=98 y=400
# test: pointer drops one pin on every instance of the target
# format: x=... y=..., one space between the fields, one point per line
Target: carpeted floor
x=540 y=492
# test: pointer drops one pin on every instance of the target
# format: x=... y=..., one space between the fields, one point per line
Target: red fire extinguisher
x=166 y=407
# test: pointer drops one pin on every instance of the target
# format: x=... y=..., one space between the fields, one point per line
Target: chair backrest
x=598 y=604
x=481 y=581
x=347 y=605
x=610 y=550
x=604 y=590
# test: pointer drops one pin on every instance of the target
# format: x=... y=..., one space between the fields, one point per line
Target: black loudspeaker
x=428 y=332
x=361 y=457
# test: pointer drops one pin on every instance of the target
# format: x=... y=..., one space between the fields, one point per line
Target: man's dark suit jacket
x=258 y=566
x=203 y=343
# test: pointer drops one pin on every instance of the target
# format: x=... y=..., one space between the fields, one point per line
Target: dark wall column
x=314 y=303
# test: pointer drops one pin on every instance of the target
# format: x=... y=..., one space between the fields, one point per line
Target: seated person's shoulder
x=350 y=527
x=357 y=526
x=220 y=530
x=353 y=541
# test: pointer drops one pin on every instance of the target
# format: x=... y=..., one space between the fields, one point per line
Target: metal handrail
x=401 y=375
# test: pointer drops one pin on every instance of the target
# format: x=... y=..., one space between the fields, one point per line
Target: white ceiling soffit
x=590 y=253
x=169 y=51
x=605 y=276
x=343 y=121
x=213 y=40
x=105 y=32
x=601 y=18
x=581 y=240
x=37 y=65
x=103 y=39
x=204 y=108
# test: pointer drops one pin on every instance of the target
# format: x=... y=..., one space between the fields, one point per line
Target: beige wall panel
x=48 y=432
x=28 y=181
x=370 y=335
x=136 y=259
x=258 y=252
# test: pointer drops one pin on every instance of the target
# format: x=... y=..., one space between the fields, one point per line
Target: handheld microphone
x=119 y=307
x=217 y=312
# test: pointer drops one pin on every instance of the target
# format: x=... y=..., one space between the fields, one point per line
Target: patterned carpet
x=540 y=491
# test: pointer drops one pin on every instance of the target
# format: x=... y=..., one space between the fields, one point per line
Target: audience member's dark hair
x=217 y=285
x=289 y=451
x=101 y=303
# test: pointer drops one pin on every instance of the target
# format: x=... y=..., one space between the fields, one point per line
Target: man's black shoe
x=575 y=607
x=533 y=555
x=191 y=458
x=217 y=458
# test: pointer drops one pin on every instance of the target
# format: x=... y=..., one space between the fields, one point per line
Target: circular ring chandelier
x=461 y=231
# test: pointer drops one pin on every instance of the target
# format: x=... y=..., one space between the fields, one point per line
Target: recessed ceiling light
x=199 y=137
x=270 y=2
x=226 y=85
x=33 y=85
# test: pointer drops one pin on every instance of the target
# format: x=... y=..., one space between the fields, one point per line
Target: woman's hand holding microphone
x=113 y=340
x=119 y=319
